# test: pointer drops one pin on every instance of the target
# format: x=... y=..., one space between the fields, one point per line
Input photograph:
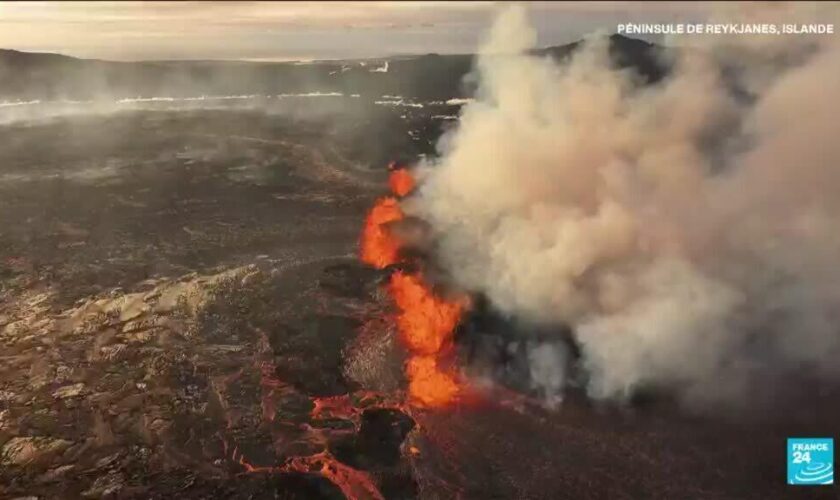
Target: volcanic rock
x=31 y=450
x=69 y=391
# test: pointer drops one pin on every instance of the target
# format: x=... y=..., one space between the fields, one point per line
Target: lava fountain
x=400 y=181
x=425 y=321
x=379 y=247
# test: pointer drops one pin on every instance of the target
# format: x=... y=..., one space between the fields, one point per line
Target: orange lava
x=334 y=407
x=379 y=247
x=249 y=468
x=425 y=321
x=347 y=406
x=429 y=385
x=353 y=483
x=401 y=182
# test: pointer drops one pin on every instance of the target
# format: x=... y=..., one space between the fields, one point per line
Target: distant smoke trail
x=690 y=237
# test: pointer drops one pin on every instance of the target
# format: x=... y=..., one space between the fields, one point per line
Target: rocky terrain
x=177 y=302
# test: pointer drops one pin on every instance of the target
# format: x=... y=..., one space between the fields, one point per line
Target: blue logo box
x=810 y=461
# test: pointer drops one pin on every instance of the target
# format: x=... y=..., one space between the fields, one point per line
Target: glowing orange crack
x=425 y=321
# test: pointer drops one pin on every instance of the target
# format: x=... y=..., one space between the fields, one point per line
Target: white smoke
x=548 y=363
x=691 y=239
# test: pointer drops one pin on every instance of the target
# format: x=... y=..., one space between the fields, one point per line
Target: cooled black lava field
x=183 y=315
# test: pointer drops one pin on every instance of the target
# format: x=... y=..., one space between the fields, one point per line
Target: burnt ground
x=182 y=315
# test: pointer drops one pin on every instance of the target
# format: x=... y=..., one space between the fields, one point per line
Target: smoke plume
x=686 y=231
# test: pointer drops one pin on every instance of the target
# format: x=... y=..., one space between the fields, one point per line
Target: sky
x=297 y=30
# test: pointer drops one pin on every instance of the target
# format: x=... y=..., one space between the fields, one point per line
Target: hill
x=44 y=76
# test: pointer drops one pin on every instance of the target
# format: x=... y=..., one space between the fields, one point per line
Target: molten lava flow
x=425 y=321
x=379 y=247
x=334 y=407
x=347 y=406
x=353 y=483
x=429 y=385
x=401 y=182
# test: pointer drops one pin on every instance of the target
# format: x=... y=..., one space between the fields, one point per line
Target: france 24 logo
x=810 y=461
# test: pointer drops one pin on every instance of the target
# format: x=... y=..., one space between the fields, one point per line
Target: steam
x=687 y=234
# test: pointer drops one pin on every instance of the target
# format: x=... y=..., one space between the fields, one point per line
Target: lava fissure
x=401 y=181
x=380 y=248
x=425 y=321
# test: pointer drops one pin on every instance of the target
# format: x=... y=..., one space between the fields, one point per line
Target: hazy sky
x=296 y=30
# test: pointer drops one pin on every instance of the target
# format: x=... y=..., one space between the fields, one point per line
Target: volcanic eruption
x=425 y=321
x=683 y=230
